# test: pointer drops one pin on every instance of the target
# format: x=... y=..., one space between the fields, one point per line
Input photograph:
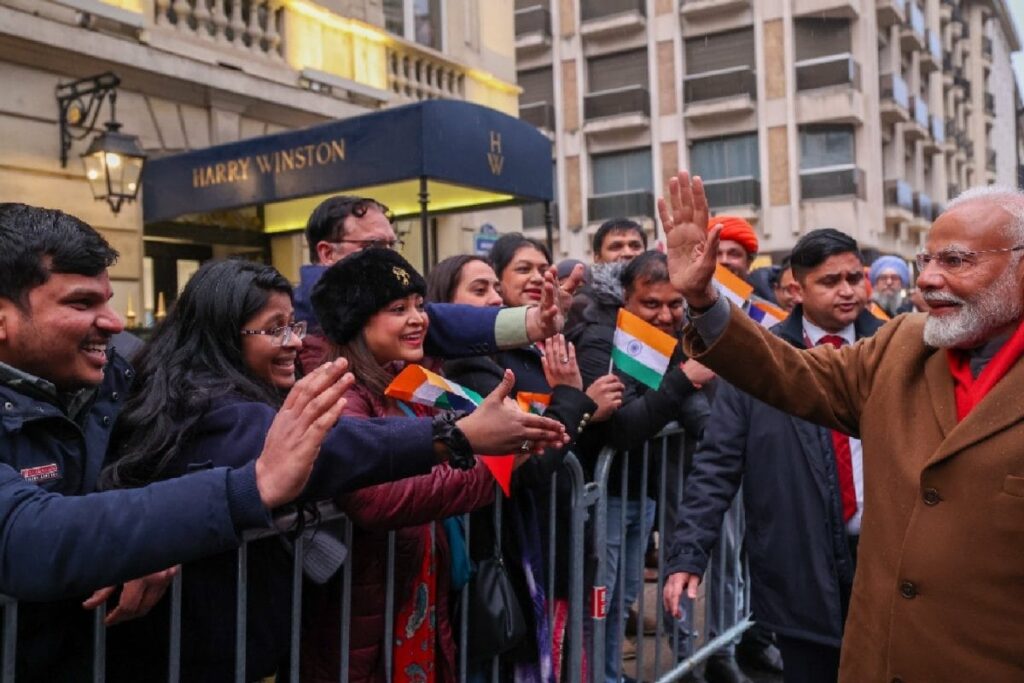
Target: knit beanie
x=359 y=285
x=735 y=229
x=893 y=263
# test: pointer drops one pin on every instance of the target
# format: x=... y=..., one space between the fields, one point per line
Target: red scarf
x=970 y=390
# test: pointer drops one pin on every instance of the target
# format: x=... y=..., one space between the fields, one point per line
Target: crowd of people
x=122 y=465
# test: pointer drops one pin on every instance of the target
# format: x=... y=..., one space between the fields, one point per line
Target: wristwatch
x=460 y=452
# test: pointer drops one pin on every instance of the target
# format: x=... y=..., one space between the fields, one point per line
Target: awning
x=460 y=155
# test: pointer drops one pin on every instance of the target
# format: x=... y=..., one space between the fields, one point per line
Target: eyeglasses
x=374 y=244
x=954 y=260
x=282 y=335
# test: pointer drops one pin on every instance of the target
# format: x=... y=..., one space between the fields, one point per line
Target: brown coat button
x=931 y=497
x=908 y=590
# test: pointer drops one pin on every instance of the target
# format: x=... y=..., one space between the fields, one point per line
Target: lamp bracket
x=80 y=103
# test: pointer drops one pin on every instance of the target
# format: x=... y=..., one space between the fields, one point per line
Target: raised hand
x=547 y=318
x=293 y=441
x=606 y=392
x=692 y=251
x=499 y=428
x=675 y=585
x=559 y=361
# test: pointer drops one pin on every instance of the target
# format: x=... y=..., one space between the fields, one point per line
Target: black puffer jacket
x=800 y=561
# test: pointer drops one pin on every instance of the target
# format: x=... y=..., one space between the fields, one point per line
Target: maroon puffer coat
x=408 y=506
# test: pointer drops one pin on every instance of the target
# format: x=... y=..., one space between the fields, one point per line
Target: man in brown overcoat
x=936 y=398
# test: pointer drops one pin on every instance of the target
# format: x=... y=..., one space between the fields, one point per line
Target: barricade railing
x=726 y=586
x=678 y=647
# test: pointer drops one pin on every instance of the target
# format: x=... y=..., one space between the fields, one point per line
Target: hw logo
x=495 y=158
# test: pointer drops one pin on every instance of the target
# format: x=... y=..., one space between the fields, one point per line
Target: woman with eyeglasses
x=207 y=387
x=371 y=307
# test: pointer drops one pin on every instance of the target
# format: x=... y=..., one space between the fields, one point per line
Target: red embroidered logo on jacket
x=41 y=473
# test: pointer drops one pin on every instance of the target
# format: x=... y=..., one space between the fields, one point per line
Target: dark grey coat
x=801 y=564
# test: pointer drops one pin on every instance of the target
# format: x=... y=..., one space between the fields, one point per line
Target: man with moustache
x=795 y=475
x=643 y=289
x=889 y=277
x=939 y=591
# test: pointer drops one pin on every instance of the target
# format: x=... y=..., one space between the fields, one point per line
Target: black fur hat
x=360 y=285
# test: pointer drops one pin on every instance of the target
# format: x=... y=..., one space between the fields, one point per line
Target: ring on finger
x=525 y=446
x=565 y=359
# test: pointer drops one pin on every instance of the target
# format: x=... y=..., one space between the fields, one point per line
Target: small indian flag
x=878 y=312
x=641 y=350
x=532 y=402
x=733 y=288
x=416 y=384
x=766 y=314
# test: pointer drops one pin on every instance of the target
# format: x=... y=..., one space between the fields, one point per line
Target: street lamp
x=114 y=160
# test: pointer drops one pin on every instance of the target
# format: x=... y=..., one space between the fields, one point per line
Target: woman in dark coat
x=472 y=280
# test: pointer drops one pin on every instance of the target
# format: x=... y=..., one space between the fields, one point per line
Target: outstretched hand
x=691 y=249
x=498 y=427
x=293 y=441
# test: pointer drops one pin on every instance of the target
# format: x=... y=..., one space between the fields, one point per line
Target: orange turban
x=736 y=230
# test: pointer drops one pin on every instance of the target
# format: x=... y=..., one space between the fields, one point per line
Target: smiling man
x=939 y=589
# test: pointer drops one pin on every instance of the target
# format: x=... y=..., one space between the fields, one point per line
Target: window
x=537 y=86
x=620 y=70
x=728 y=157
x=622 y=172
x=416 y=20
x=825 y=146
x=720 y=51
x=821 y=37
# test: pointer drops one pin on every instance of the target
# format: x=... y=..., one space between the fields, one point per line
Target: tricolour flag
x=766 y=314
x=641 y=350
x=416 y=384
x=878 y=312
x=732 y=287
x=532 y=402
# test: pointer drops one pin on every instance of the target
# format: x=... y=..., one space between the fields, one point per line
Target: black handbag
x=496 y=623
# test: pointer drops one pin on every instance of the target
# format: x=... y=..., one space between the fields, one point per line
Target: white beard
x=995 y=307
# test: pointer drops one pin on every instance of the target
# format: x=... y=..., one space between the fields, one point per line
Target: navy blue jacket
x=40 y=441
x=801 y=565
x=356 y=453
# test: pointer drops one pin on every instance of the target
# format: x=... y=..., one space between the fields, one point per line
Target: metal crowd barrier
x=725 y=586
x=683 y=646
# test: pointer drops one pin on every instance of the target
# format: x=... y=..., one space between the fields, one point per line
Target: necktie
x=844 y=457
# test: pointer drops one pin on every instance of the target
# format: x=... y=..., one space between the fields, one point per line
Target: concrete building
x=862 y=115
x=196 y=73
